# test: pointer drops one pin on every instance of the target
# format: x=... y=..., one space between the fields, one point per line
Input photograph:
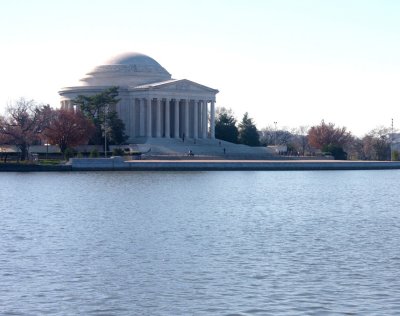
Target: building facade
x=152 y=103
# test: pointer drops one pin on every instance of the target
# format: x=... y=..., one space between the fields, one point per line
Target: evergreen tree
x=100 y=109
x=248 y=134
x=116 y=129
x=225 y=126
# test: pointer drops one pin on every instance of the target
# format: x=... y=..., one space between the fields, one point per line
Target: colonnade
x=168 y=117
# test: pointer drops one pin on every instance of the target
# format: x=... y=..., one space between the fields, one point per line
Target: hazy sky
x=294 y=62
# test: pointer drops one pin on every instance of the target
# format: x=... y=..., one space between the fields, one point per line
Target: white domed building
x=152 y=103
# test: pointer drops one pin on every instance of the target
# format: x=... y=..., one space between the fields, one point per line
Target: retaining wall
x=208 y=165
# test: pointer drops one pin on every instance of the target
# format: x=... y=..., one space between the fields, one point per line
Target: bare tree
x=267 y=136
x=23 y=123
x=300 y=140
x=270 y=136
x=355 y=149
x=376 y=144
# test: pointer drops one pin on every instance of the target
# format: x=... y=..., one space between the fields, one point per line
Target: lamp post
x=105 y=140
x=105 y=130
x=391 y=143
x=47 y=149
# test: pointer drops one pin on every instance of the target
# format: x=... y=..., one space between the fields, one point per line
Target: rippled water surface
x=200 y=243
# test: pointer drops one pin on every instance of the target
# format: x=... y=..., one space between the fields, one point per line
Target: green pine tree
x=248 y=134
x=100 y=109
x=225 y=126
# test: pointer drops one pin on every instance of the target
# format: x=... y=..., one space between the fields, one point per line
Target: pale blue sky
x=295 y=62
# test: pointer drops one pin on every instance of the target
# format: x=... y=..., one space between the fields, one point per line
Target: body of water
x=200 y=243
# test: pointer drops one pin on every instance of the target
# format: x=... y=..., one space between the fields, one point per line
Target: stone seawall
x=14 y=167
x=217 y=165
x=118 y=164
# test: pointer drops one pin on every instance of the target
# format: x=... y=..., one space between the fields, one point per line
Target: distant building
x=152 y=103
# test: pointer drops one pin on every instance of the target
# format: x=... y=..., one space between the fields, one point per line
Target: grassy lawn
x=51 y=161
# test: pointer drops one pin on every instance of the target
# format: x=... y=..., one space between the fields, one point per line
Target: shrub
x=336 y=151
x=118 y=152
x=94 y=153
x=69 y=153
x=395 y=155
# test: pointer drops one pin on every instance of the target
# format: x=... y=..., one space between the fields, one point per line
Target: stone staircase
x=161 y=148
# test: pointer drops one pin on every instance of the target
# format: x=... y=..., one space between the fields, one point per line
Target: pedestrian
x=224 y=150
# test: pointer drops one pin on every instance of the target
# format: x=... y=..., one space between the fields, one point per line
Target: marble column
x=158 y=118
x=166 y=125
x=195 y=119
x=204 y=120
x=212 y=120
x=176 y=120
x=131 y=115
x=186 y=106
x=199 y=117
x=141 y=118
x=148 y=116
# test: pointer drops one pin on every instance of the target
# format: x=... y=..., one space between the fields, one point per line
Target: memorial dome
x=128 y=69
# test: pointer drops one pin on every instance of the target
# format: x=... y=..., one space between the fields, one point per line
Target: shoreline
x=117 y=164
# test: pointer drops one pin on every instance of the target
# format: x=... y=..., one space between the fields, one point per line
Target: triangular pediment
x=182 y=85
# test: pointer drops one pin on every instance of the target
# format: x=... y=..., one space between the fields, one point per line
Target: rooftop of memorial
x=128 y=69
